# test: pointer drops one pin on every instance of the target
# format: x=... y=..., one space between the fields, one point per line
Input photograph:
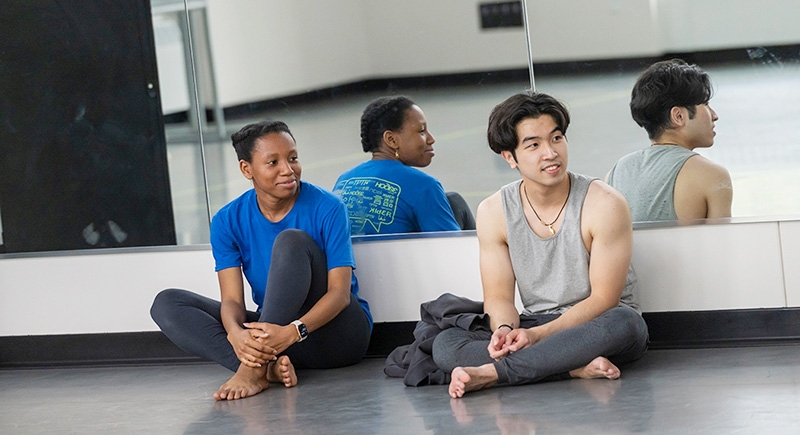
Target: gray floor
x=750 y=390
x=758 y=139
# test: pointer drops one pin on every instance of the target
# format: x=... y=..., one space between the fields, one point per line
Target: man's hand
x=250 y=348
x=505 y=341
x=521 y=338
x=498 y=345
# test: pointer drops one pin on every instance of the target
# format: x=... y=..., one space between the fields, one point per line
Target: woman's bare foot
x=600 y=367
x=245 y=382
x=282 y=371
x=465 y=379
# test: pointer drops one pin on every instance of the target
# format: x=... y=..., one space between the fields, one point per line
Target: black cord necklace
x=550 y=225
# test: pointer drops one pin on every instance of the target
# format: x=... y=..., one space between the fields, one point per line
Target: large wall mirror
x=315 y=65
x=318 y=78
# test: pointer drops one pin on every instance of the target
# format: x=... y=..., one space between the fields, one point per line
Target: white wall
x=694 y=25
x=422 y=37
x=711 y=267
x=393 y=273
x=571 y=30
x=683 y=268
x=268 y=49
x=790 y=260
x=609 y=29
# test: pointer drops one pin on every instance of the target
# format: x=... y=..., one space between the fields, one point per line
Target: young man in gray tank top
x=565 y=240
x=668 y=180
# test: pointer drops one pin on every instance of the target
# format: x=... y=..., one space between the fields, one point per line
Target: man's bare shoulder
x=604 y=205
x=490 y=219
x=703 y=189
x=700 y=169
x=601 y=195
x=493 y=201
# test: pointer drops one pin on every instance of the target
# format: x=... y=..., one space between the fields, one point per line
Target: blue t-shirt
x=242 y=237
x=386 y=196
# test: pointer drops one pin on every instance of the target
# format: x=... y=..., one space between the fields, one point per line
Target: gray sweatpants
x=619 y=334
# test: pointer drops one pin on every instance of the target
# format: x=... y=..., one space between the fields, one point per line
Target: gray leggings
x=298 y=278
x=619 y=334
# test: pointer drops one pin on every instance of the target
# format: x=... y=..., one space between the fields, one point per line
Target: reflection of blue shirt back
x=242 y=237
x=386 y=196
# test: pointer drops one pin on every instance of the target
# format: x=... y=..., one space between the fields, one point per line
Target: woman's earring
x=396 y=154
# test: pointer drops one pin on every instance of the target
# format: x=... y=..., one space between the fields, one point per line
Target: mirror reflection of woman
x=291 y=241
x=387 y=194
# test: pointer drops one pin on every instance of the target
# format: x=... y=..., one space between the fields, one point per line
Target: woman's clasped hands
x=258 y=343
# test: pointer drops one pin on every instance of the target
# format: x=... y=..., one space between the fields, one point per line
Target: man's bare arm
x=719 y=195
x=497 y=275
x=703 y=189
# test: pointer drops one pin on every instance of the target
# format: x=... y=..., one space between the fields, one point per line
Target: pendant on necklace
x=550 y=225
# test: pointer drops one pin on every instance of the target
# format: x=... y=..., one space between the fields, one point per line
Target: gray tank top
x=553 y=273
x=647 y=180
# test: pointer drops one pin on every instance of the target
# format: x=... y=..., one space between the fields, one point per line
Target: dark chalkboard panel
x=82 y=149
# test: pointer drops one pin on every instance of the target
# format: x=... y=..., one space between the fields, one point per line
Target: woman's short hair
x=244 y=140
x=384 y=113
x=502 y=131
x=664 y=85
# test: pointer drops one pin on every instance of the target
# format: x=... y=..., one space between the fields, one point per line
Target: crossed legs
x=586 y=351
x=298 y=279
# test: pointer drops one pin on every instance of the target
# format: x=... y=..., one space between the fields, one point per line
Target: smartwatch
x=302 y=331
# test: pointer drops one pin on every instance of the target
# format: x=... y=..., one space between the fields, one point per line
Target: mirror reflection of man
x=668 y=180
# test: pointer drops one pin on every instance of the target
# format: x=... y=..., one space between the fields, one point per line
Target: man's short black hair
x=664 y=85
x=502 y=131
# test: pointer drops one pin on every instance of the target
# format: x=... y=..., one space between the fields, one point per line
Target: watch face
x=301 y=329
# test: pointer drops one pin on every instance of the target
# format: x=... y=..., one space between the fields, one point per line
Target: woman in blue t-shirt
x=387 y=194
x=291 y=241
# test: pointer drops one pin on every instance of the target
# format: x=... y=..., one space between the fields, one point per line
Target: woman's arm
x=336 y=299
x=247 y=343
x=433 y=210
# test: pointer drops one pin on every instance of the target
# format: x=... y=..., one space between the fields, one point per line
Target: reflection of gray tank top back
x=647 y=180
x=553 y=273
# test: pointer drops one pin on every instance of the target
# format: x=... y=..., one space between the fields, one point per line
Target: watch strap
x=302 y=331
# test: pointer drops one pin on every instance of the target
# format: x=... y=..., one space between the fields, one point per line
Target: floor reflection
x=688 y=391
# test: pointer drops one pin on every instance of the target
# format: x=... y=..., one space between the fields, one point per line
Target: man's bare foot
x=465 y=379
x=245 y=382
x=282 y=371
x=600 y=367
